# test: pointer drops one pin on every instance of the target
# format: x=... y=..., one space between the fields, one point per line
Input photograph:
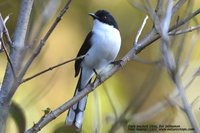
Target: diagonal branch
x=140 y=30
x=183 y=31
x=43 y=41
x=9 y=84
x=3 y=29
x=8 y=58
x=51 y=68
x=169 y=60
x=153 y=36
x=6 y=32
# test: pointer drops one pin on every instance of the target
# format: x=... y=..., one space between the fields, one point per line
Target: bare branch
x=178 y=5
x=51 y=68
x=150 y=38
x=6 y=32
x=3 y=29
x=9 y=84
x=47 y=13
x=181 y=44
x=185 y=20
x=140 y=30
x=183 y=31
x=43 y=41
x=171 y=65
x=8 y=58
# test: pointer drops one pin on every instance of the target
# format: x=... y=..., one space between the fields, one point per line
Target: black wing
x=84 y=49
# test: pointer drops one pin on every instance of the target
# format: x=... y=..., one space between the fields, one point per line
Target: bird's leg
x=97 y=75
x=117 y=62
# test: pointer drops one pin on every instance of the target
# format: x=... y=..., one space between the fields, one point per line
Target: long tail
x=76 y=112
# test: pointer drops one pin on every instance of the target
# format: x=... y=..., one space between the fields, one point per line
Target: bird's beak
x=93 y=16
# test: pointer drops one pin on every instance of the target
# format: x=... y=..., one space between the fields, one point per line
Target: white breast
x=106 y=42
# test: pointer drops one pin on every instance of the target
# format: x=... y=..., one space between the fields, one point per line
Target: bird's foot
x=118 y=62
x=97 y=76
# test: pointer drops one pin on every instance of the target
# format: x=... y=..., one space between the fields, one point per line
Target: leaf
x=18 y=116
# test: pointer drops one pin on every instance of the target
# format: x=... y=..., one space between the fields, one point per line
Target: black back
x=105 y=17
x=84 y=49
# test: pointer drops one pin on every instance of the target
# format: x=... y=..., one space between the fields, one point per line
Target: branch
x=43 y=41
x=140 y=30
x=10 y=85
x=162 y=28
x=153 y=36
x=6 y=32
x=190 y=29
x=185 y=20
x=51 y=68
x=8 y=58
x=177 y=6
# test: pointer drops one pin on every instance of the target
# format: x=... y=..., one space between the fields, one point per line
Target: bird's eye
x=105 y=17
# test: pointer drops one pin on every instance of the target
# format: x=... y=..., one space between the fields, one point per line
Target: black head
x=105 y=17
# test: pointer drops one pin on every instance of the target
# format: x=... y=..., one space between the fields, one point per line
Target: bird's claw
x=97 y=75
x=118 y=62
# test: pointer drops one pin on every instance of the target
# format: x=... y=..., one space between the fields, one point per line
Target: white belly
x=105 y=47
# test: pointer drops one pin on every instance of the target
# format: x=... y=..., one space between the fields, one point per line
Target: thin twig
x=171 y=65
x=46 y=14
x=43 y=41
x=6 y=32
x=152 y=38
x=51 y=68
x=181 y=44
x=140 y=30
x=9 y=85
x=185 y=20
x=8 y=58
x=177 y=6
x=190 y=29
x=158 y=6
x=186 y=105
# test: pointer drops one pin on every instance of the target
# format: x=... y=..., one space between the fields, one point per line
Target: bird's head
x=104 y=17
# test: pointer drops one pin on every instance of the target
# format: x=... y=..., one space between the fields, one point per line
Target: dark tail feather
x=76 y=112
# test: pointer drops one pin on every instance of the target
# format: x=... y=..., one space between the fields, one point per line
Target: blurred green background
x=56 y=87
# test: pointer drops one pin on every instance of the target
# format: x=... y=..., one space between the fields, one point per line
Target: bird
x=101 y=47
